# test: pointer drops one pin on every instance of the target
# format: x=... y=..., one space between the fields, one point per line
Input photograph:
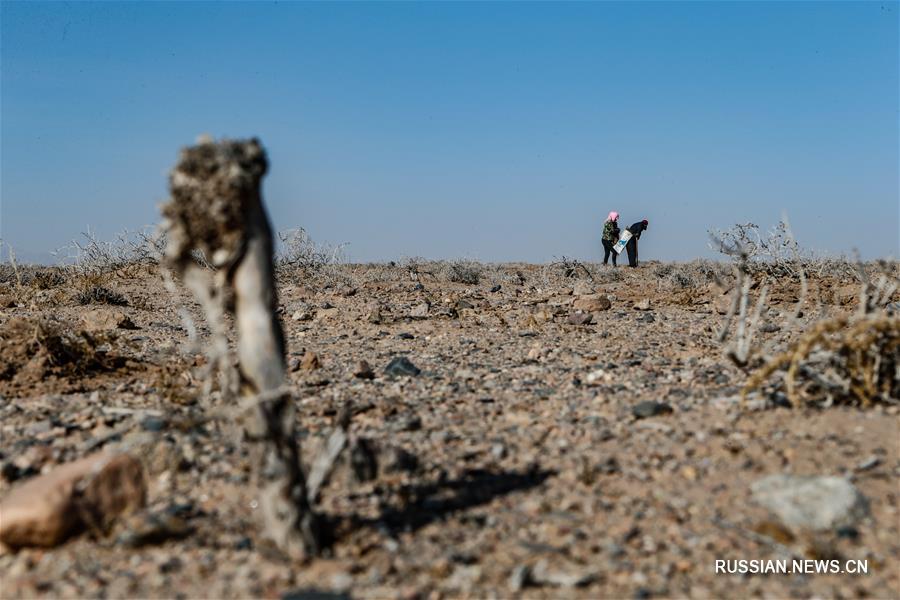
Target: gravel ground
x=515 y=464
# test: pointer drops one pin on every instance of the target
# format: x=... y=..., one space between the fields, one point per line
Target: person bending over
x=632 y=246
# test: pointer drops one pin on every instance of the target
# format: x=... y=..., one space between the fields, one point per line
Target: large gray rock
x=811 y=503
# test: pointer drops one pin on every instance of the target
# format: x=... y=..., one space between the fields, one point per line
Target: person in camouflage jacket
x=610 y=237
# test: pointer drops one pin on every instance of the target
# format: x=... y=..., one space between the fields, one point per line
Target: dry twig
x=216 y=207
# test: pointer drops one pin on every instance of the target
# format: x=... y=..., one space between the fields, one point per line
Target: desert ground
x=534 y=451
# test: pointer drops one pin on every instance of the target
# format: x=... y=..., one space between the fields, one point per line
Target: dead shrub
x=463 y=271
x=33 y=349
x=844 y=359
x=663 y=270
x=776 y=253
x=297 y=249
x=571 y=268
x=129 y=255
x=48 y=278
x=321 y=262
x=610 y=275
x=839 y=361
x=416 y=267
x=98 y=294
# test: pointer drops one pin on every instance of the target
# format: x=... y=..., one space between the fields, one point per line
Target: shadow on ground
x=414 y=506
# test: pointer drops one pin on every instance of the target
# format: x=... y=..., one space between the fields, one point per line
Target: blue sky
x=497 y=131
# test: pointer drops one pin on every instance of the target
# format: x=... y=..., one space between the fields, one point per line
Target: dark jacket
x=637 y=228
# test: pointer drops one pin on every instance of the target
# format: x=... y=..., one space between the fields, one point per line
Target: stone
x=722 y=304
x=363 y=371
x=46 y=510
x=811 y=503
x=583 y=288
x=419 y=311
x=465 y=374
x=496 y=288
x=102 y=319
x=519 y=578
x=310 y=362
x=541 y=316
x=463 y=304
x=580 y=318
x=153 y=423
x=595 y=303
x=408 y=422
x=542 y=574
x=302 y=315
x=598 y=377
x=650 y=408
x=11 y=472
x=869 y=463
x=400 y=365
x=375 y=315
x=148 y=528
x=536 y=352
x=642 y=304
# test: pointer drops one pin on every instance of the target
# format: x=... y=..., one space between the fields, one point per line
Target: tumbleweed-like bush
x=843 y=359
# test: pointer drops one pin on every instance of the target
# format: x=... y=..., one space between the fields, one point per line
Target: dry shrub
x=416 y=267
x=776 y=253
x=322 y=263
x=463 y=271
x=48 y=278
x=509 y=274
x=610 y=275
x=297 y=249
x=91 y=265
x=130 y=255
x=689 y=284
x=98 y=294
x=33 y=349
x=845 y=359
x=839 y=361
x=689 y=296
x=571 y=268
x=663 y=270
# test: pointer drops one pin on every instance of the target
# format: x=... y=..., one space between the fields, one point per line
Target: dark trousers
x=631 y=249
x=607 y=250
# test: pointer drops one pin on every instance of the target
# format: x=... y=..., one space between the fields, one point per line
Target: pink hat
x=613 y=216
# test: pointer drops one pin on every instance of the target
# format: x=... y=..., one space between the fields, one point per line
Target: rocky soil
x=538 y=441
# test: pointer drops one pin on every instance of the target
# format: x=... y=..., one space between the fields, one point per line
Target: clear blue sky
x=497 y=131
